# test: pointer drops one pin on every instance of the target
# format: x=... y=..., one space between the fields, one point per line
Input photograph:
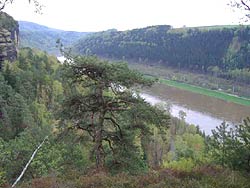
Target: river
x=207 y=112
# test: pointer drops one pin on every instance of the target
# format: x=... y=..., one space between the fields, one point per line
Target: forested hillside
x=204 y=49
x=83 y=122
x=97 y=134
x=44 y=38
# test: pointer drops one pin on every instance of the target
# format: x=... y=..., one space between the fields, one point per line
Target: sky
x=100 y=15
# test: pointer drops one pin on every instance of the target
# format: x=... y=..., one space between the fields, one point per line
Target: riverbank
x=205 y=81
x=197 y=83
x=207 y=92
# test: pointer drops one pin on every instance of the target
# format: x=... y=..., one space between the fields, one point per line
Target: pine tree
x=103 y=102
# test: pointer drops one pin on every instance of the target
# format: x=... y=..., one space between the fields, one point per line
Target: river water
x=207 y=112
x=206 y=122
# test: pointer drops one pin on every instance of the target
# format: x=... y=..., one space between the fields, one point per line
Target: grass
x=207 y=92
x=195 y=79
x=166 y=76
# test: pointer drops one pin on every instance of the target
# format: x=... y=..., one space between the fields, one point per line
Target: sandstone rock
x=9 y=38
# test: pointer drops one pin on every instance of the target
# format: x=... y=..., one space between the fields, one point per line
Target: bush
x=2 y=178
x=182 y=164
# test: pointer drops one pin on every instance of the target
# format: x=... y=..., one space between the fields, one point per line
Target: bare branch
x=27 y=165
x=86 y=128
x=245 y=5
x=3 y=4
x=115 y=124
x=38 y=6
x=110 y=144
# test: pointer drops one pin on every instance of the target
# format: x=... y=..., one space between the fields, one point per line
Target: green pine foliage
x=103 y=103
x=230 y=145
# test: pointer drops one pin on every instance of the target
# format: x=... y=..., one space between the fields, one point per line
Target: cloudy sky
x=98 y=15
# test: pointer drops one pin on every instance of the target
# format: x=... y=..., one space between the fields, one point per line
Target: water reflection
x=205 y=121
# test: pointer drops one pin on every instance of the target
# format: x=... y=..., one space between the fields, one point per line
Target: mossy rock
x=7 y=22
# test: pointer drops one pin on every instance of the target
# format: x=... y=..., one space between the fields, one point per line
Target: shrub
x=182 y=164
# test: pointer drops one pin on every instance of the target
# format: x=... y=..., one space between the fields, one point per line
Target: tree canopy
x=231 y=145
x=196 y=49
x=103 y=102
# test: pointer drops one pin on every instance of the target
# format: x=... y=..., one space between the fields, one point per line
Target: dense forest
x=219 y=50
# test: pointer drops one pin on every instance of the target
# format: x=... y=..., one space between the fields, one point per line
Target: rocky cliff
x=9 y=33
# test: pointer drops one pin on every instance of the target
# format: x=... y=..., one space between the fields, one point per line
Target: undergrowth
x=202 y=177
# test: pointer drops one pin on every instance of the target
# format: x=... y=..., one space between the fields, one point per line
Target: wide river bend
x=207 y=112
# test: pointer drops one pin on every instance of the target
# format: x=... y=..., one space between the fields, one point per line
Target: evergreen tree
x=230 y=145
x=103 y=102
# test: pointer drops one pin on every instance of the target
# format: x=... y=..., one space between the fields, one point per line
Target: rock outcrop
x=9 y=34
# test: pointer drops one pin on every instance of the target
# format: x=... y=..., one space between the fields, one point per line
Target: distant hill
x=44 y=38
x=198 y=49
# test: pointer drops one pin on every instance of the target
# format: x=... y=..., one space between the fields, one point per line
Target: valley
x=149 y=107
x=45 y=38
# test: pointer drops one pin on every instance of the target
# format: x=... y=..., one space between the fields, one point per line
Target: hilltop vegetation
x=190 y=48
x=7 y=22
x=218 y=51
x=44 y=38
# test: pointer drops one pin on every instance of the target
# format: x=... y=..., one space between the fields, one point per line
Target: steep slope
x=9 y=32
x=199 y=49
x=44 y=38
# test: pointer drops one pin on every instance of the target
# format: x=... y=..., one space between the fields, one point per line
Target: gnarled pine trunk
x=98 y=150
